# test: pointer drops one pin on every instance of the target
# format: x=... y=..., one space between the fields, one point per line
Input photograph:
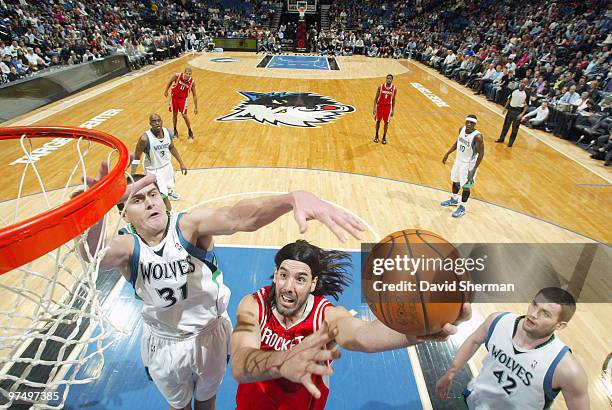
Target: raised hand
x=137 y=186
x=308 y=207
x=306 y=359
x=131 y=188
x=102 y=172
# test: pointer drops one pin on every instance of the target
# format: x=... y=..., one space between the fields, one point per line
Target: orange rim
x=33 y=237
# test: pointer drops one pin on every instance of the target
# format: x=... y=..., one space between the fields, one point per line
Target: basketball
x=420 y=302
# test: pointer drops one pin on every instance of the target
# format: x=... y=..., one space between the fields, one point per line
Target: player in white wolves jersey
x=169 y=259
x=526 y=365
x=157 y=146
x=470 y=151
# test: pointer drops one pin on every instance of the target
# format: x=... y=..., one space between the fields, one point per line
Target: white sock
x=464 y=204
x=455 y=197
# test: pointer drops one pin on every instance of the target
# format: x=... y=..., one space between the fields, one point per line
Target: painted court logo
x=295 y=109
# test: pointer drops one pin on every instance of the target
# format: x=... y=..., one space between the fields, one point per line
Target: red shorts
x=383 y=113
x=178 y=105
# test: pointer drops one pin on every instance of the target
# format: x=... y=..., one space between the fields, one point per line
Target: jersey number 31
x=168 y=294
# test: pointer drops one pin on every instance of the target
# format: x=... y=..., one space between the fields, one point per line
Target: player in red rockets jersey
x=283 y=343
x=384 y=106
x=277 y=393
x=181 y=84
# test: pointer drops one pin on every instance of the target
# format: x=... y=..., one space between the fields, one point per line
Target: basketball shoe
x=450 y=202
x=459 y=212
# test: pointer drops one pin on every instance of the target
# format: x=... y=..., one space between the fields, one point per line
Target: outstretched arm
x=120 y=247
x=249 y=364
x=251 y=214
x=118 y=254
x=465 y=353
x=363 y=336
x=298 y=364
x=172 y=80
x=373 y=336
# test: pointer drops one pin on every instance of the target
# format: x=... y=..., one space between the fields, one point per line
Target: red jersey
x=282 y=394
x=181 y=87
x=386 y=95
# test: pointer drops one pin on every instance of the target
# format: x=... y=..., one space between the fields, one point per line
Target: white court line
x=419 y=378
x=500 y=113
x=337 y=63
x=71 y=102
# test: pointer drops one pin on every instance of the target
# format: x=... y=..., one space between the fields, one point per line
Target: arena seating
x=553 y=45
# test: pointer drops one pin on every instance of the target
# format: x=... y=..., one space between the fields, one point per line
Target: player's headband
x=471 y=119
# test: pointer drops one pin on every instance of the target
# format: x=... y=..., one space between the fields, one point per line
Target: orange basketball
x=415 y=298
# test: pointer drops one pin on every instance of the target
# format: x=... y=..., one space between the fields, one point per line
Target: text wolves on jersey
x=514 y=367
x=166 y=270
x=464 y=141
x=162 y=147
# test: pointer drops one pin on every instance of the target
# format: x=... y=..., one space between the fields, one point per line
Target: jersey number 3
x=511 y=385
x=168 y=294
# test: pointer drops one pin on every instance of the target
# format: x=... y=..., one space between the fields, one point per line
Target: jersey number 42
x=511 y=385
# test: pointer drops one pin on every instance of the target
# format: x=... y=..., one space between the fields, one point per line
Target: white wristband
x=135 y=162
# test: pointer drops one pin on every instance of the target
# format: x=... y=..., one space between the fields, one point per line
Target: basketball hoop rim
x=31 y=238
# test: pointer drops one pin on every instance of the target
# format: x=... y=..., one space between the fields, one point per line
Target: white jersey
x=466 y=147
x=157 y=153
x=511 y=377
x=180 y=285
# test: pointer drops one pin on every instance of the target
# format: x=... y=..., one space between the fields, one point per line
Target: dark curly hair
x=330 y=267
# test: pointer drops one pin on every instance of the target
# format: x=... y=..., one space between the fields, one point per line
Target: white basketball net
x=53 y=325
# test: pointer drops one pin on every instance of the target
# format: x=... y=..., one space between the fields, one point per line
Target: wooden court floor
x=534 y=192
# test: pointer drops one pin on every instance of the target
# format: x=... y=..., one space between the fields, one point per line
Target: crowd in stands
x=560 y=48
x=39 y=35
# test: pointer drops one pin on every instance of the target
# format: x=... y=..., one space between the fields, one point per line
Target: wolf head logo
x=295 y=109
